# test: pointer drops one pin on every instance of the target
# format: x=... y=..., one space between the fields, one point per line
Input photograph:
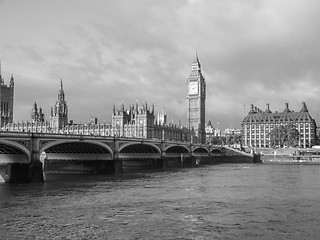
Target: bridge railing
x=8 y=133
x=91 y=136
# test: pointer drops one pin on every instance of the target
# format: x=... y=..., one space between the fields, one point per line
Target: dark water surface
x=232 y=201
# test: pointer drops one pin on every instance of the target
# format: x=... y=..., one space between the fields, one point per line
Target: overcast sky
x=113 y=51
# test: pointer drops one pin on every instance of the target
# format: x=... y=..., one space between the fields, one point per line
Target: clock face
x=193 y=88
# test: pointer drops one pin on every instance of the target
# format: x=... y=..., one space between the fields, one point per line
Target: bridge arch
x=71 y=146
x=200 y=150
x=177 y=149
x=70 y=156
x=216 y=151
x=15 y=152
x=139 y=148
x=139 y=151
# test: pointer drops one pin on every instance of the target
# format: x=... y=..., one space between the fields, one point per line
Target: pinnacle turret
x=11 y=80
x=59 y=112
x=1 y=80
x=61 y=92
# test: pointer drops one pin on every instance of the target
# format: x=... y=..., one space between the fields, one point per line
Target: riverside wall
x=289 y=159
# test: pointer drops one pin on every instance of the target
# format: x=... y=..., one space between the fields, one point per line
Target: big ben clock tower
x=196 y=101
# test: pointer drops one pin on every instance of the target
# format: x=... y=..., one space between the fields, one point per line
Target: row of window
x=268 y=132
x=277 y=125
x=272 y=127
x=267 y=145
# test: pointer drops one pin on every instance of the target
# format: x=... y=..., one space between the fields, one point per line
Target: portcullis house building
x=258 y=124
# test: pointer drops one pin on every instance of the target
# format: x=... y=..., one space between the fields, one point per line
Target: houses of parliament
x=141 y=121
x=137 y=121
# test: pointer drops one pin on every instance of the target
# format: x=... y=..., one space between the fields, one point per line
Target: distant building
x=217 y=132
x=37 y=115
x=6 y=100
x=258 y=124
x=161 y=118
x=210 y=132
x=232 y=132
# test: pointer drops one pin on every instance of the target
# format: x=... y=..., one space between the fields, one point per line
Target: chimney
x=286 y=110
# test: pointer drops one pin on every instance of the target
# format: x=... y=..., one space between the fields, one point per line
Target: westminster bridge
x=25 y=156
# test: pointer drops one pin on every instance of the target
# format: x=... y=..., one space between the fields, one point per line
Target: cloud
x=108 y=52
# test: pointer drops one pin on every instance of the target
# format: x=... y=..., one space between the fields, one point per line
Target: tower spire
x=197 y=54
x=0 y=72
x=196 y=63
x=61 y=92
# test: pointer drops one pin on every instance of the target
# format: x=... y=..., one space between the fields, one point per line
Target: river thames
x=228 y=201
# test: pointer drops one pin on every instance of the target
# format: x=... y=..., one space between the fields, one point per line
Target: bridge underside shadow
x=140 y=157
x=78 y=157
x=13 y=164
x=178 y=156
x=202 y=156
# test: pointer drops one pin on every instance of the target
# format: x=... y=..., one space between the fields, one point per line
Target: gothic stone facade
x=6 y=100
x=139 y=121
x=58 y=118
x=196 y=99
x=258 y=124
x=136 y=121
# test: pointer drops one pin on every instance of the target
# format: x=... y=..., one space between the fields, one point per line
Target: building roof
x=256 y=115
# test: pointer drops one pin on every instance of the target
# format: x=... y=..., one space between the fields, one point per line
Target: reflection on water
x=212 y=202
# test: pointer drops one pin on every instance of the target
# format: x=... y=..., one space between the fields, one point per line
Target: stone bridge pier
x=35 y=167
x=20 y=161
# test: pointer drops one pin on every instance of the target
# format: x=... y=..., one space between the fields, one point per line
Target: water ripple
x=214 y=202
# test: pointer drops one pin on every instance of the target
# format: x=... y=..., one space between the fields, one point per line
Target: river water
x=228 y=201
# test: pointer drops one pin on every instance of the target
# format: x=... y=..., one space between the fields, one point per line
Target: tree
x=229 y=139
x=237 y=139
x=277 y=136
x=293 y=135
x=218 y=140
x=287 y=135
x=233 y=139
